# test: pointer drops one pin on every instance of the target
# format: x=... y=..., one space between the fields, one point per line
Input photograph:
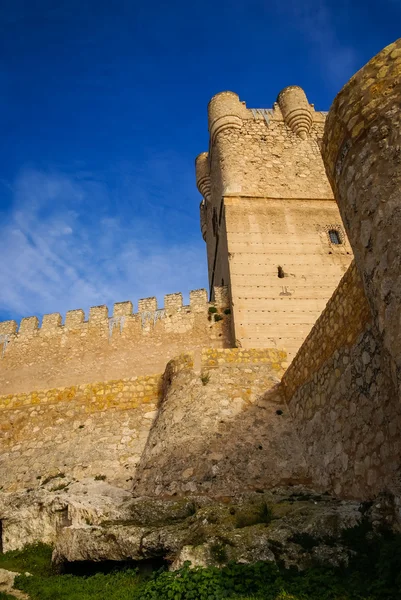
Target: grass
x=34 y=559
x=110 y=586
x=4 y=596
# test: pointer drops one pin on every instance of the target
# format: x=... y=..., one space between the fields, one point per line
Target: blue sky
x=103 y=110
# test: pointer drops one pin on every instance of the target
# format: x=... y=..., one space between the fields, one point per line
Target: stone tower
x=273 y=231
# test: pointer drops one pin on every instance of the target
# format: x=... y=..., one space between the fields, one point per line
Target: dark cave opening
x=87 y=568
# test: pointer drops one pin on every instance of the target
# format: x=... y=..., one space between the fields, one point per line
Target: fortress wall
x=106 y=348
x=98 y=429
x=225 y=432
x=265 y=234
x=345 y=317
x=340 y=392
x=102 y=429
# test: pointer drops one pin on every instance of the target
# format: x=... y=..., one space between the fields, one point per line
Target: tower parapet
x=225 y=111
x=296 y=110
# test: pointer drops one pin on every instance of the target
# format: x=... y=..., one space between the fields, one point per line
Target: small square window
x=335 y=237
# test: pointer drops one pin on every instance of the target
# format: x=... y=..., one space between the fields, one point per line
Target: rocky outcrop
x=7 y=579
x=92 y=521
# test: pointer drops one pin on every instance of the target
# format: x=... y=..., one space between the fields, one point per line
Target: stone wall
x=283 y=267
x=345 y=317
x=105 y=348
x=340 y=393
x=81 y=431
x=224 y=432
x=187 y=430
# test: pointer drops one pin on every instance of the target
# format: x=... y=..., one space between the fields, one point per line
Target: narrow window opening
x=280 y=272
x=334 y=236
x=222 y=281
x=214 y=222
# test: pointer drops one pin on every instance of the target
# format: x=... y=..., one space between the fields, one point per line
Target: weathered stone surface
x=39 y=515
x=222 y=436
x=295 y=527
x=7 y=579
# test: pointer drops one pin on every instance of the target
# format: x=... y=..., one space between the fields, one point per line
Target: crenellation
x=118 y=346
x=222 y=296
x=8 y=327
x=147 y=304
x=173 y=302
x=28 y=325
x=123 y=309
x=51 y=321
x=74 y=319
x=98 y=314
x=198 y=300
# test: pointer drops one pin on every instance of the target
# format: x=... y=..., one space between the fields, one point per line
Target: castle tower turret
x=296 y=111
x=272 y=229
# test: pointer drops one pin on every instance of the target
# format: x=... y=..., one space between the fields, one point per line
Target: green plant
x=227 y=311
x=111 y=586
x=4 y=596
x=212 y=309
x=205 y=378
x=100 y=477
x=218 y=317
x=219 y=553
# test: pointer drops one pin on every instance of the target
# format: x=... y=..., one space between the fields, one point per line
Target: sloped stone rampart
x=223 y=432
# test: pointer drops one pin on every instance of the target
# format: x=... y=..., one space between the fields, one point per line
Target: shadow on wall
x=221 y=433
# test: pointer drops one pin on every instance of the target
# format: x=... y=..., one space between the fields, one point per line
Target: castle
x=289 y=371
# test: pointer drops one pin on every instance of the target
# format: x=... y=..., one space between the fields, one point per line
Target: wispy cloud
x=316 y=21
x=64 y=248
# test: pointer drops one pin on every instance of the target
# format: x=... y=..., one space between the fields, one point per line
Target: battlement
x=259 y=151
x=121 y=344
x=148 y=311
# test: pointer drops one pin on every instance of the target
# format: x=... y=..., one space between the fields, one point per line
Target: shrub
x=219 y=553
x=218 y=317
x=212 y=309
x=100 y=477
